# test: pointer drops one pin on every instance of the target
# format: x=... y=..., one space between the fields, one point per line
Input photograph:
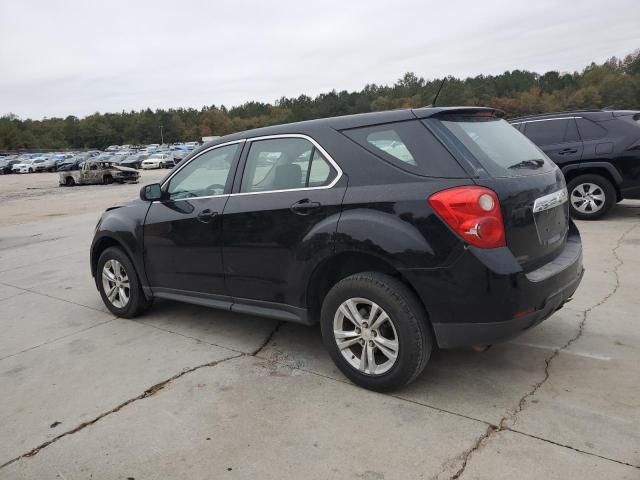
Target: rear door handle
x=567 y=151
x=304 y=206
x=206 y=215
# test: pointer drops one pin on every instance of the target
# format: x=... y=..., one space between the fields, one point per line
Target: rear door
x=557 y=137
x=183 y=234
x=531 y=189
x=286 y=188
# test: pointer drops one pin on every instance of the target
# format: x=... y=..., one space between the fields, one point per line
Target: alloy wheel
x=115 y=283
x=587 y=198
x=366 y=336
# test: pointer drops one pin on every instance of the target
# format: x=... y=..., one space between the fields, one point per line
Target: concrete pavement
x=190 y=392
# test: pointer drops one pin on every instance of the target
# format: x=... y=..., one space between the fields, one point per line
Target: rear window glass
x=500 y=149
x=408 y=145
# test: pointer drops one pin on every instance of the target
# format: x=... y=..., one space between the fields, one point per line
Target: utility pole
x=161 y=136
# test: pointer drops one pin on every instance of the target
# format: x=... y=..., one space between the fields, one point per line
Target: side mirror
x=151 y=192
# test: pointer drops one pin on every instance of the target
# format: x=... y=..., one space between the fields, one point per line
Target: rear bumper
x=485 y=297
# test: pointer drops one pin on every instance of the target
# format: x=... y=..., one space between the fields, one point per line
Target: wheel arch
x=603 y=169
x=341 y=265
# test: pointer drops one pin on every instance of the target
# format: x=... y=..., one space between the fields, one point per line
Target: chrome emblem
x=550 y=201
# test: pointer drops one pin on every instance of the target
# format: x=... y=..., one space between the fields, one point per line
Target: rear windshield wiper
x=534 y=163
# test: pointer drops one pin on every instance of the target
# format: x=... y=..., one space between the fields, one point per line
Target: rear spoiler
x=441 y=112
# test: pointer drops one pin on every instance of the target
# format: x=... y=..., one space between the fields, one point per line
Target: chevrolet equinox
x=397 y=231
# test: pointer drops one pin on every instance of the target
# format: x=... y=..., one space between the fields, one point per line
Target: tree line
x=616 y=82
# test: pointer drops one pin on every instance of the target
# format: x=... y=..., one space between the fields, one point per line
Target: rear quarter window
x=409 y=146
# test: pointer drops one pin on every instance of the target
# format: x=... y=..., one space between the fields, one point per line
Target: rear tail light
x=473 y=213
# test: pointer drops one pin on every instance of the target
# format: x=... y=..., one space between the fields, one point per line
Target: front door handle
x=304 y=206
x=567 y=151
x=206 y=215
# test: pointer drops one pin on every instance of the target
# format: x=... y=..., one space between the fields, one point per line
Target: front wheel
x=118 y=284
x=590 y=196
x=376 y=331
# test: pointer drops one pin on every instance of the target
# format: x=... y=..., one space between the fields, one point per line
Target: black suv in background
x=598 y=152
x=395 y=230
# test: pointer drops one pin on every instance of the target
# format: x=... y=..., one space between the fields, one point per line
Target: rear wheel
x=590 y=196
x=107 y=179
x=376 y=331
x=69 y=182
x=118 y=284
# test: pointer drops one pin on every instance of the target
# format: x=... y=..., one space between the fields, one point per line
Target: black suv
x=598 y=152
x=397 y=231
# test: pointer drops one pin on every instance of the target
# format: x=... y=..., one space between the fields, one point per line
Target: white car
x=157 y=160
x=26 y=166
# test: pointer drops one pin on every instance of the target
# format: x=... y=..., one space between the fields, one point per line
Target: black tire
x=578 y=185
x=69 y=182
x=107 y=180
x=137 y=303
x=414 y=337
x=30 y=170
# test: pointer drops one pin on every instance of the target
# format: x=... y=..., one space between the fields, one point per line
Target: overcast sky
x=64 y=57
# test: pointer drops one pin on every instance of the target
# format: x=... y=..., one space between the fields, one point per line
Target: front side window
x=205 y=176
x=285 y=164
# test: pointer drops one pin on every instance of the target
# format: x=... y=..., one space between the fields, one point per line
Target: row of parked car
x=146 y=157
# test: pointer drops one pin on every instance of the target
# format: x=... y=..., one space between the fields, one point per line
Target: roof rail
x=566 y=112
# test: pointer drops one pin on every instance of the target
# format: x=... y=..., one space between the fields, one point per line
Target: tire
x=136 y=303
x=590 y=196
x=407 y=325
x=107 y=180
x=69 y=182
x=30 y=170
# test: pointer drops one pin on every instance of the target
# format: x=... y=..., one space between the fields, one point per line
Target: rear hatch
x=531 y=189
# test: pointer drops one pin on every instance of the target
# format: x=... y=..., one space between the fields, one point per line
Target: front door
x=278 y=218
x=182 y=234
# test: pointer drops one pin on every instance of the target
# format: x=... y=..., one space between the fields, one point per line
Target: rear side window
x=546 y=132
x=285 y=164
x=408 y=145
x=500 y=149
x=590 y=130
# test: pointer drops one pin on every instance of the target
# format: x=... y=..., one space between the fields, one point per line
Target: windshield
x=501 y=149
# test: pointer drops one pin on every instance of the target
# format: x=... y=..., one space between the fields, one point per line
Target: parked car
x=24 y=166
x=98 y=172
x=598 y=152
x=134 y=161
x=158 y=160
x=6 y=165
x=457 y=235
x=44 y=164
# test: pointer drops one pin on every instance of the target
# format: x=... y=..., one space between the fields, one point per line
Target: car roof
x=347 y=121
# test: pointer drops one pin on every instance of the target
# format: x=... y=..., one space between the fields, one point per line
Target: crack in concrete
x=564 y=445
x=149 y=392
x=35 y=292
x=267 y=340
x=58 y=338
x=512 y=416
